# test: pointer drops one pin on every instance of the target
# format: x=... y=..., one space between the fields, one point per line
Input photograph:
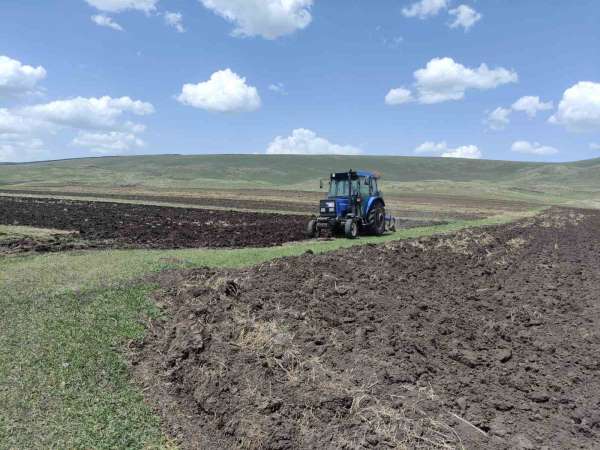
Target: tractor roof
x=360 y=173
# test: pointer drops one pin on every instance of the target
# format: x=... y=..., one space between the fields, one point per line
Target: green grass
x=193 y=173
x=10 y=232
x=66 y=319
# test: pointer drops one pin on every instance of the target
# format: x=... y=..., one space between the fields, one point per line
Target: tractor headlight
x=330 y=204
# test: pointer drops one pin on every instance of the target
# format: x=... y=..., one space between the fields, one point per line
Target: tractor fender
x=374 y=201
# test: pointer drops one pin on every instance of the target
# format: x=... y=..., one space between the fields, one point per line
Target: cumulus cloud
x=278 y=88
x=398 y=96
x=579 y=108
x=532 y=148
x=105 y=21
x=464 y=151
x=442 y=149
x=443 y=79
x=111 y=142
x=267 y=18
x=306 y=142
x=425 y=8
x=225 y=91
x=100 y=123
x=464 y=16
x=116 y=6
x=432 y=148
x=12 y=123
x=531 y=105
x=15 y=148
x=175 y=20
x=17 y=78
x=498 y=119
x=101 y=113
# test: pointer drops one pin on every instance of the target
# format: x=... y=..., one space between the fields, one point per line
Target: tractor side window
x=375 y=190
x=364 y=188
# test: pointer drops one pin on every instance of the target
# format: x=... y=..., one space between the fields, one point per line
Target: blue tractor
x=353 y=205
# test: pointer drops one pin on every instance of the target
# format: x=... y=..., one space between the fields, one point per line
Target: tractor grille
x=327 y=208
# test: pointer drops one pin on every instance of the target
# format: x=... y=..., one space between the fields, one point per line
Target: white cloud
x=225 y=91
x=111 y=142
x=105 y=21
x=175 y=20
x=425 y=8
x=531 y=105
x=579 y=108
x=115 y=6
x=432 y=148
x=15 y=124
x=267 y=18
x=398 y=96
x=100 y=123
x=465 y=151
x=442 y=149
x=498 y=119
x=464 y=16
x=89 y=113
x=443 y=79
x=278 y=88
x=532 y=148
x=14 y=148
x=17 y=78
x=306 y=142
x=594 y=146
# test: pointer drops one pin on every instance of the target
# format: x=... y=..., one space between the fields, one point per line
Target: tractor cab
x=353 y=204
x=349 y=188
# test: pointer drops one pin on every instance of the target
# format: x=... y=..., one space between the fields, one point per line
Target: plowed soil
x=187 y=200
x=142 y=226
x=100 y=224
x=487 y=338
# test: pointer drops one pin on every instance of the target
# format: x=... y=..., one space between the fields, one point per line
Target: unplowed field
x=487 y=338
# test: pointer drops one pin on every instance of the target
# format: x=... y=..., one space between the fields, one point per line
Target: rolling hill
x=574 y=181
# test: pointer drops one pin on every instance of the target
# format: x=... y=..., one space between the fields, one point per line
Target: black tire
x=377 y=220
x=311 y=228
x=351 y=229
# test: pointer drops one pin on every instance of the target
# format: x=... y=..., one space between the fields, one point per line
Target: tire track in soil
x=487 y=338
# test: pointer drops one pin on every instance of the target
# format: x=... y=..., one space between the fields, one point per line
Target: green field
x=547 y=182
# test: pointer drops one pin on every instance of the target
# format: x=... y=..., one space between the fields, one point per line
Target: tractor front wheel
x=351 y=229
x=311 y=229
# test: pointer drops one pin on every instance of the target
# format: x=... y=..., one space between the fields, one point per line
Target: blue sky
x=101 y=77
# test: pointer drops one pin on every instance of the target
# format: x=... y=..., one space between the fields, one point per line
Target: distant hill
x=185 y=172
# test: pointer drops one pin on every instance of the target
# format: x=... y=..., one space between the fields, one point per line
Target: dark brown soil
x=142 y=226
x=195 y=200
x=483 y=339
x=122 y=225
x=55 y=243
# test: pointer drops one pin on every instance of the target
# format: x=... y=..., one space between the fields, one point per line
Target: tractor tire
x=311 y=229
x=351 y=229
x=377 y=220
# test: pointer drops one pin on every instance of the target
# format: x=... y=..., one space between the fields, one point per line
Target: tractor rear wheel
x=377 y=220
x=351 y=229
x=311 y=228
